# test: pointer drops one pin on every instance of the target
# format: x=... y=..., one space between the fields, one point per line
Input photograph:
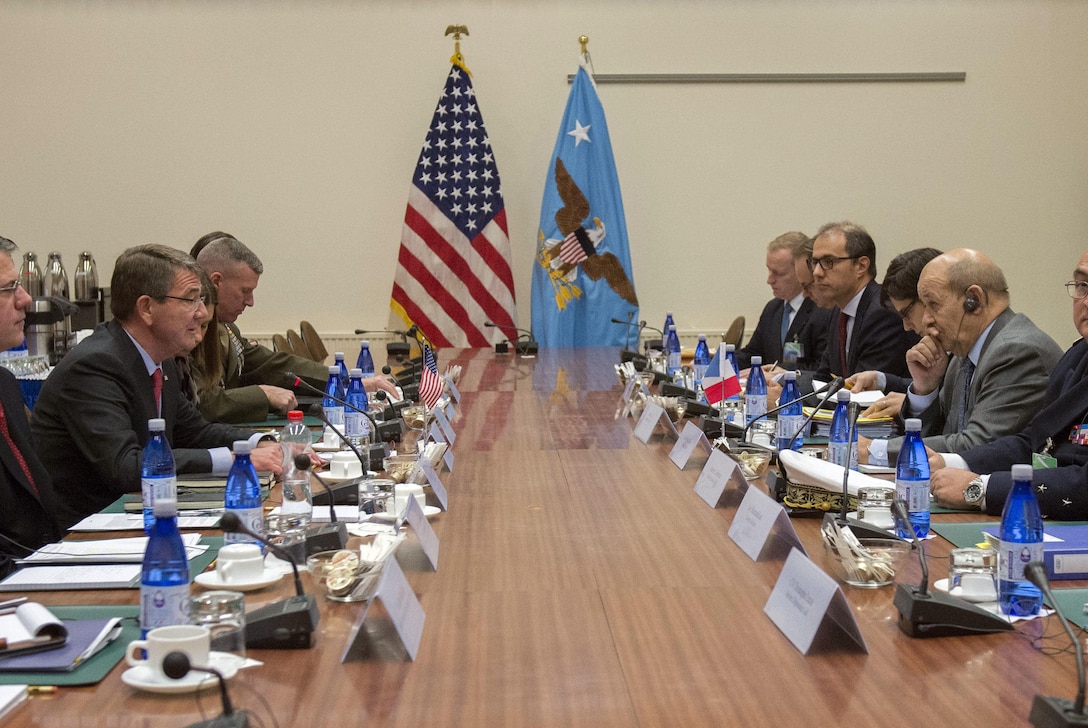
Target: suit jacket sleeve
x=241 y=404
x=1062 y=492
x=761 y=343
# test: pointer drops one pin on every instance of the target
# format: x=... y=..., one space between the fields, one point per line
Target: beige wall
x=296 y=124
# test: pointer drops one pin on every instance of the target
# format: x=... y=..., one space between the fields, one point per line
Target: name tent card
x=806 y=603
x=447 y=458
x=671 y=426
x=435 y=482
x=436 y=433
x=444 y=423
x=405 y=613
x=644 y=428
x=628 y=396
x=754 y=525
x=428 y=539
x=719 y=470
x=455 y=394
x=691 y=436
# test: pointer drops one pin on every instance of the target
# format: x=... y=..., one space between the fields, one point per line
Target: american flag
x=453 y=270
x=430 y=384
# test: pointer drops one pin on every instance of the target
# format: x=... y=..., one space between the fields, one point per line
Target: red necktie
x=15 y=451
x=156 y=387
x=843 y=318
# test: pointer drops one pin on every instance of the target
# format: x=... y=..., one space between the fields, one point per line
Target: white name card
x=628 y=396
x=404 y=609
x=690 y=437
x=435 y=482
x=447 y=458
x=428 y=539
x=455 y=394
x=805 y=601
x=436 y=433
x=444 y=422
x=757 y=518
x=715 y=476
x=644 y=428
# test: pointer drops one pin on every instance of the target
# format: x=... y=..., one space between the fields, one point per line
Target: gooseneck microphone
x=1048 y=712
x=298 y=381
x=922 y=614
x=176 y=665
x=525 y=348
x=852 y=412
x=832 y=387
x=286 y=624
x=323 y=536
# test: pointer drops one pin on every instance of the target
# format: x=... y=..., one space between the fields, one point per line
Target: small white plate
x=330 y=478
x=428 y=511
x=942 y=585
x=143 y=677
x=320 y=446
x=211 y=580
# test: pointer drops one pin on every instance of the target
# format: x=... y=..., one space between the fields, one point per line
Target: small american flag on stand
x=430 y=384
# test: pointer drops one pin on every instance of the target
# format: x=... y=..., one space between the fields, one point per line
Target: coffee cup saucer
x=143 y=677
x=211 y=580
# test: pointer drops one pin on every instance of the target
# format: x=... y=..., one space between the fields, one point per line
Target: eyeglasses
x=1075 y=289
x=11 y=288
x=194 y=303
x=828 y=261
x=905 y=313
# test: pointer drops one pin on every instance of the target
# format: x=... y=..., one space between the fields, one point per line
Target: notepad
x=60 y=578
x=103 y=551
x=62 y=644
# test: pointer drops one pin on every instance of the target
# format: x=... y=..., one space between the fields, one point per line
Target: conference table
x=582 y=582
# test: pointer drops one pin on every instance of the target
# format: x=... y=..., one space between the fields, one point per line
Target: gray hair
x=224 y=251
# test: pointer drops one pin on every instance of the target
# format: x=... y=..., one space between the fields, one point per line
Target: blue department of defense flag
x=582 y=270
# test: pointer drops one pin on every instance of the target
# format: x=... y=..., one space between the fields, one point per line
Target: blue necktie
x=968 y=373
x=786 y=310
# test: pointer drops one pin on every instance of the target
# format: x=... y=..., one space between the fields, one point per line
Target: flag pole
x=457 y=59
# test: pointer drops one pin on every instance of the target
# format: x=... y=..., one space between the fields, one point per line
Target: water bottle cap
x=702 y=337
x=730 y=347
x=334 y=369
x=913 y=424
x=242 y=447
x=294 y=416
x=338 y=355
x=790 y=376
x=843 y=395
x=156 y=424
x=1021 y=472
x=355 y=373
x=757 y=361
x=365 y=344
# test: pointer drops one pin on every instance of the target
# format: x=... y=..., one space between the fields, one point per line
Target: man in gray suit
x=995 y=379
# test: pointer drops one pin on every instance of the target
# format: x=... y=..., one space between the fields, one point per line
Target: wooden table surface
x=583 y=583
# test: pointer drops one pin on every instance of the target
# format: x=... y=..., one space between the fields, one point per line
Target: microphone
x=852 y=412
x=525 y=348
x=378 y=431
x=627 y=354
x=780 y=485
x=176 y=666
x=833 y=386
x=1046 y=711
x=286 y=624
x=922 y=614
x=325 y=536
x=392 y=348
x=651 y=344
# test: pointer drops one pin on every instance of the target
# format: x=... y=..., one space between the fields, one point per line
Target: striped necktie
x=968 y=374
x=6 y=432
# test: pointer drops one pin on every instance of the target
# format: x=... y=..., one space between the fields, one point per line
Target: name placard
x=405 y=613
x=719 y=470
x=759 y=519
x=455 y=394
x=447 y=458
x=806 y=602
x=428 y=539
x=691 y=436
x=644 y=428
x=435 y=482
x=436 y=433
x=628 y=397
x=444 y=423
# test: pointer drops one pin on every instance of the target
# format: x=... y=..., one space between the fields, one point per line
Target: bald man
x=981 y=370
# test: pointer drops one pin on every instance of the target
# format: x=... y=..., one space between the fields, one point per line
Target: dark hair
x=858 y=241
x=145 y=270
x=901 y=280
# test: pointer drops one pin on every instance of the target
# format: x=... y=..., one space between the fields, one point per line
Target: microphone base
x=344 y=494
x=695 y=408
x=526 y=348
x=1048 y=712
x=326 y=537
x=237 y=719
x=398 y=348
x=941 y=615
x=668 y=389
x=283 y=625
x=861 y=529
x=502 y=348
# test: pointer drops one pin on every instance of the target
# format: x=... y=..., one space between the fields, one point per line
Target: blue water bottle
x=841 y=450
x=243 y=496
x=731 y=357
x=755 y=394
x=1021 y=542
x=701 y=360
x=665 y=329
x=365 y=362
x=342 y=368
x=164 y=577
x=912 y=479
x=158 y=477
x=672 y=349
x=333 y=410
x=791 y=416
x=356 y=424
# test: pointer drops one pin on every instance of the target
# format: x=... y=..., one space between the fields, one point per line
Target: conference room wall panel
x=296 y=126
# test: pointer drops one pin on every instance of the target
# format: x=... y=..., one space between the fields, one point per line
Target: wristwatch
x=974 y=491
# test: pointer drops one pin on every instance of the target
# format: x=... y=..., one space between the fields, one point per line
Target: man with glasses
x=90 y=420
x=792 y=329
x=980 y=370
x=1055 y=441
x=27 y=502
x=863 y=335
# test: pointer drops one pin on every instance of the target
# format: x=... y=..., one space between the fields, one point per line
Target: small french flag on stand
x=720 y=381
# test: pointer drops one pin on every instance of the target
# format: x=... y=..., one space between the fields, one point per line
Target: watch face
x=973 y=493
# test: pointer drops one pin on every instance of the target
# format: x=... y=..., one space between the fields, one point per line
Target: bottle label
x=335 y=415
x=787 y=427
x=356 y=425
x=163 y=605
x=915 y=493
x=1014 y=556
x=700 y=372
x=251 y=518
x=755 y=405
x=674 y=361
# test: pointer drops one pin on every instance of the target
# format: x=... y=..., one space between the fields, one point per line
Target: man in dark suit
x=90 y=420
x=26 y=493
x=980 y=477
x=792 y=329
x=864 y=335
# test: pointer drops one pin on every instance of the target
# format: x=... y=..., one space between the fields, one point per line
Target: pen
x=41 y=689
x=12 y=602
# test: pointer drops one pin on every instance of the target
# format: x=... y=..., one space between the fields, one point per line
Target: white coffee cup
x=238 y=563
x=403 y=492
x=345 y=465
x=191 y=639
